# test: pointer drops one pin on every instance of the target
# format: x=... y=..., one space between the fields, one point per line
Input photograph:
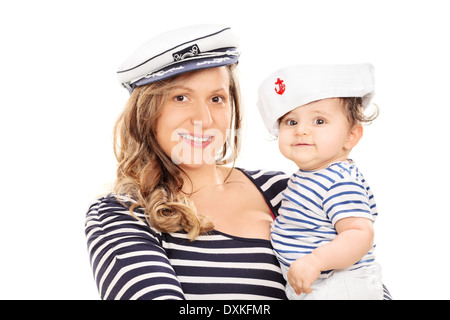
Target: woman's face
x=195 y=118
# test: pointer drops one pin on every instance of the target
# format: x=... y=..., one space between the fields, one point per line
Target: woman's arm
x=126 y=255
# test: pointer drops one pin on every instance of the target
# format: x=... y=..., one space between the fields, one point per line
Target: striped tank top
x=131 y=260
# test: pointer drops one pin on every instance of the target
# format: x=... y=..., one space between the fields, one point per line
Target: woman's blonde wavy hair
x=147 y=175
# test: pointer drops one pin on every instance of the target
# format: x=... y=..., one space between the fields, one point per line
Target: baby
x=323 y=236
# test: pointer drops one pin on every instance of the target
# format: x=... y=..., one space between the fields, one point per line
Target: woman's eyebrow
x=181 y=87
x=189 y=89
x=221 y=89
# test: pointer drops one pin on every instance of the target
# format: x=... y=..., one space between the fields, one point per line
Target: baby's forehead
x=329 y=107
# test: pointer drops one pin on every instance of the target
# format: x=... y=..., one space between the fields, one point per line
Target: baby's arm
x=354 y=240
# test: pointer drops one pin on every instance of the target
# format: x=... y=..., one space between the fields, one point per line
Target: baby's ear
x=354 y=135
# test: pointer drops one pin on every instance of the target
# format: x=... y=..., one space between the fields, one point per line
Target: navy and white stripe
x=312 y=203
x=131 y=260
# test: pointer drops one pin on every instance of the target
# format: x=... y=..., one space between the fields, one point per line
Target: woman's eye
x=319 y=121
x=180 y=98
x=217 y=99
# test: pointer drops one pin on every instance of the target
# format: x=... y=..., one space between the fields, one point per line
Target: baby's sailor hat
x=179 y=51
x=295 y=86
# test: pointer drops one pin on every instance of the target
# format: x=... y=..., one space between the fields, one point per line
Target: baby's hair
x=356 y=113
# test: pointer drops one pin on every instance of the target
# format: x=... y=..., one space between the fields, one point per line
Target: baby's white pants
x=361 y=284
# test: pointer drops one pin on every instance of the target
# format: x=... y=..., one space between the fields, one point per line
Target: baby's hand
x=302 y=273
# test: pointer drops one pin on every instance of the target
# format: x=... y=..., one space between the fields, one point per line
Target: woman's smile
x=196 y=140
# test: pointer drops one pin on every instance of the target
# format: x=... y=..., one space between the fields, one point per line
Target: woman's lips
x=196 y=140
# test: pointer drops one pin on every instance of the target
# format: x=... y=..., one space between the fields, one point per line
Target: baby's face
x=316 y=134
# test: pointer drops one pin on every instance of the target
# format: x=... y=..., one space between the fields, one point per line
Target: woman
x=179 y=224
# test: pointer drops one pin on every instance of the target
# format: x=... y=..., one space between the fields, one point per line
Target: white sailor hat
x=295 y=86
x=179 y=51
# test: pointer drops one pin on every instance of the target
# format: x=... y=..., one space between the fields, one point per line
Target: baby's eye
x=319 y=121
x=291 y=122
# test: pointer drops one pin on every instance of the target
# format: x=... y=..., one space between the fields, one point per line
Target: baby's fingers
x=306 y=288
x=301 y=287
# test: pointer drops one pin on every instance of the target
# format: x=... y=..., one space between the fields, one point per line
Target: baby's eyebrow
x=322 y=113
x=284 y=116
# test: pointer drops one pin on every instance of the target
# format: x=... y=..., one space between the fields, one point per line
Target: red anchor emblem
x=281 y=86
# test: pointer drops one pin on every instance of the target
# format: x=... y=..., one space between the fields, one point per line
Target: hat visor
x=184 y=66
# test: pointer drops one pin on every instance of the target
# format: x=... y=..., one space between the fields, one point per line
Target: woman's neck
x=204 y=177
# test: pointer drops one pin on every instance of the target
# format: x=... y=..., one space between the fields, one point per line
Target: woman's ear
x=354 y=135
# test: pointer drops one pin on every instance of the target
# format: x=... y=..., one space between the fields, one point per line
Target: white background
x=59 y=100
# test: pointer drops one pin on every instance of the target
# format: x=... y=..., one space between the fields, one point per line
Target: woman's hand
x=302 y=273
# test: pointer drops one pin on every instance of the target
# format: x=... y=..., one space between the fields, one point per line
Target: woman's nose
x=202 y=116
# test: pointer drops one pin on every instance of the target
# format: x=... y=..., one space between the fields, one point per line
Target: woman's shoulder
x=266 y=179
x=270 y=183
x=110 y=203
x=112 y=210
x=109 y=216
